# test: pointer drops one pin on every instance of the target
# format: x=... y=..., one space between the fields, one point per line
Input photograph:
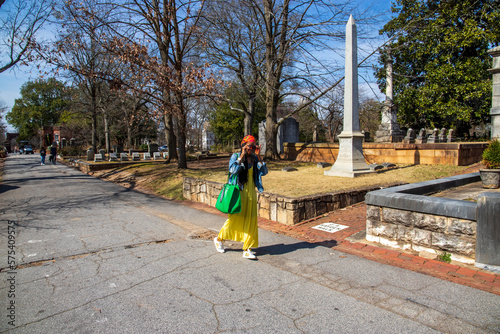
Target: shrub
x=143 y=147
x=491 y=156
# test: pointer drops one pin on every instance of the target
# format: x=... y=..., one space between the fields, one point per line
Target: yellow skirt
x=242 y=227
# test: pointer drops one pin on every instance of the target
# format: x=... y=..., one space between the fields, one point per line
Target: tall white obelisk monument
x=350 y=161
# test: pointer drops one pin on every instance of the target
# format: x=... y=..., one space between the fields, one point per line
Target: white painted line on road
x=330 y=227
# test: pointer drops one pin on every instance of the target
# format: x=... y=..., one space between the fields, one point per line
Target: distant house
x=58 y=134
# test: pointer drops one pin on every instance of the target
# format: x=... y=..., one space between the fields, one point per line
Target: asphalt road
x=93 y=257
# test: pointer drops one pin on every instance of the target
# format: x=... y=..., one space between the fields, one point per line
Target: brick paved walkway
x=355 y=217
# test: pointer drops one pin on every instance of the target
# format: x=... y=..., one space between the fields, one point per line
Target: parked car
x=163 y=148
x=26 y=149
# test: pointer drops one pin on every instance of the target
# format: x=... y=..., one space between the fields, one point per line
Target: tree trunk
x=106 y=132
x=248 y=121
x=93 y=109
x=181 y=142
x=170 y=136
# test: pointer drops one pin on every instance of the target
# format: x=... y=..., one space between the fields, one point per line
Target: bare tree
x=236 y=45
x=20 y=22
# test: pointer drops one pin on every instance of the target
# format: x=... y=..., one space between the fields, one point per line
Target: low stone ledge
x=410 y=197
x=285 y=210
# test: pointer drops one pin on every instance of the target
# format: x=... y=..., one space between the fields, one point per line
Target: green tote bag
x=229 y=200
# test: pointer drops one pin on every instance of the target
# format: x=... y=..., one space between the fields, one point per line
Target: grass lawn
x=166 y=180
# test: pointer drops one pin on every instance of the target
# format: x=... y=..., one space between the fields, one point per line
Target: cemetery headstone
x=98 y=157
x=123 y=156
x=422 y=137
x=410 y=137
x=156 y=155
x=434 y=137
x=146 y=156
x=388 y=165
x=375 y=167
x=442 y=135
x=102 y=153
x=90 y=154
x=165 y=155
x=323 y=164
x=135 y=156
x=451 y=136
x=152 y=148
x=113 y=157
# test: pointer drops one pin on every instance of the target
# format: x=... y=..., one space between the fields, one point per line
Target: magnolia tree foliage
x=441 y=63
x=42 y=103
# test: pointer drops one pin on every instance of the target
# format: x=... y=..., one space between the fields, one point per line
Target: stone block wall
x=285 y=210
x=458 y=154
x=422 y=232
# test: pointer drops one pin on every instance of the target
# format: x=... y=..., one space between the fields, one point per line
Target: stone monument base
x=350 y=161
x=389 y=133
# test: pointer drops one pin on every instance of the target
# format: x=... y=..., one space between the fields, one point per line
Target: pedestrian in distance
x=43 y=153
x=249 y=168
x=53 y=152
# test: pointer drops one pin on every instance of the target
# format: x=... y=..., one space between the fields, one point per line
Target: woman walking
x=249 y=168
x=42 y=155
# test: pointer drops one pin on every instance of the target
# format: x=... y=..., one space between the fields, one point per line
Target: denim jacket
x=235 y=167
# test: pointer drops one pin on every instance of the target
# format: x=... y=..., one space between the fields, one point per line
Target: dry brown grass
x=166 y=180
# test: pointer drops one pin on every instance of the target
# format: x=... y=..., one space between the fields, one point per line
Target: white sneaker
x=218 y=245
x=248 y=255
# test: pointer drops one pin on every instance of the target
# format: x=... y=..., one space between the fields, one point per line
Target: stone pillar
x=495 y=101
x=350 y=161
x=389 y=130
x=488 y=231
x=262 y=137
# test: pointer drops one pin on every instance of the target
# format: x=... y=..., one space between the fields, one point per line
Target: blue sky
x=12 y=80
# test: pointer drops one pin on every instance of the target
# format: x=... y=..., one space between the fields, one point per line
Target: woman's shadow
x=280 y=249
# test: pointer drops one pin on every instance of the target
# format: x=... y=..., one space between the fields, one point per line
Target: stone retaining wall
x=458 y=154
x=422 y=232
x=285 y=210
x=403 y=217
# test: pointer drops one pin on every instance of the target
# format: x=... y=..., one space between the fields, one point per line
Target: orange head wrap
x=248 y=139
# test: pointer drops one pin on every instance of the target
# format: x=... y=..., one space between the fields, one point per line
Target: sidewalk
x=354 y=217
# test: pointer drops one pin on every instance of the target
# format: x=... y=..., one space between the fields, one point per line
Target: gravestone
x=289 y=169
x=207 y=137
x=156 y=155
x=388 y=165
x=410 y=137
x=434 y=137
x=123 y=156
x=323 y=164
x=442 y=135
x=98 y=157
x=165 y=155
x=315 y=133
x=146 y=156
x=152 y=148
x=113 y=157
x=495 y=92
x=422 y=137
x=288 y=132
x=90 y=154
x=375 y=167
x=117 y=149
x=102 y=153
x=451 y=136
x=350 y=160
x=136 y=156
